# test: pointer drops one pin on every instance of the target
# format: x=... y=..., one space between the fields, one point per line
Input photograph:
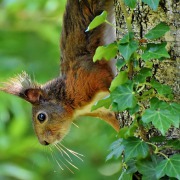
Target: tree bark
x=168 y=71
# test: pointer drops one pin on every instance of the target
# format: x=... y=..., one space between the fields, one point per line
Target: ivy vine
x=150 y=103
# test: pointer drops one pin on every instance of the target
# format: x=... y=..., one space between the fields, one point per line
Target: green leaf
x=161 y=88
x=174 y=143
x=120 y=63
x=149 y=64
x=130 y=3
x=106 y=52
x=157 y=31
x=127 y=49
x=142 y=75
x=155 y=103
x=108 y=169
x=125 y=176
x=134 y=110
x=116 y=149
x=131 y=166
x=156 y=139
x=152 y=3
x=155 y=51
x=135 y=148
x=124 y=97
x=121 y=78
x=147 y=169
x=127 y=132
x=98 y=20
x=127 y=38
x=162 y=119
x=173 y=108
x=169 y=167
x=105 y=102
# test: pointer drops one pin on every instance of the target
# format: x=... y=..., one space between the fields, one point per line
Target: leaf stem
x=157 y=150
x=162 y=155
x=127 y=17
x=141 y=89
x=118 y=28
x=145 y=83
x=130 y=69
x=142 y=132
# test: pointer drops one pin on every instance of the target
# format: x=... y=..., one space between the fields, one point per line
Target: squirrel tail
x=75 y=41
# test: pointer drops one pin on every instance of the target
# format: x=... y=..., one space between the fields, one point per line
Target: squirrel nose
x=45 y=143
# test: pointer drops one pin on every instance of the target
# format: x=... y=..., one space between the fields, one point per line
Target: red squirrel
x=81 y=82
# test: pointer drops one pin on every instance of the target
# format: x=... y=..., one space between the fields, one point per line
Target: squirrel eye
x=41 y=117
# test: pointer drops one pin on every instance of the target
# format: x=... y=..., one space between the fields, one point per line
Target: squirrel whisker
x=53 y=157
x=58 y=159
x=62 y=151
x=75 y=125
x=73 y=152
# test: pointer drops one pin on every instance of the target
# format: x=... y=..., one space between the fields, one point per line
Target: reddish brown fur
x=82 y=85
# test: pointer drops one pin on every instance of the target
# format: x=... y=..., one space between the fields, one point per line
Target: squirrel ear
x=32 y=95
x=24 y=87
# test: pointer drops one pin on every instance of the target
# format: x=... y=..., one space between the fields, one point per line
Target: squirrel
x=81 y=83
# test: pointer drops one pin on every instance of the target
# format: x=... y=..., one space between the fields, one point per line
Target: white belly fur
x=87 y=109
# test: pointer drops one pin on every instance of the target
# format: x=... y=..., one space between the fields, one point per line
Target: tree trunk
x=168 y=71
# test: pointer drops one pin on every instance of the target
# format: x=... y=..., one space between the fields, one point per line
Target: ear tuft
x=24 y=87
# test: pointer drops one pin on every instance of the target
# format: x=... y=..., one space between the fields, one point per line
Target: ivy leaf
x=173 y=108
x=120 y=63
x=155 y=103
x=121 y=78
x=152 y=3
x=142 y=75
x=98 y=20
x=135 y=148
x=125 y=176
x=127 y=132
x=116 y=149
x=105 y=102
x=162 y=119
x=131 y=166
x=133 y=110
x=169 y=167
x=127 y=49
x=127 y=38
x=155 y=51
x=161 y=88
x=158 y=139
x=147 y=169
x=130 y=3
x=105 y=52
x=174 y=143
x=157 y=31
x=123 y=97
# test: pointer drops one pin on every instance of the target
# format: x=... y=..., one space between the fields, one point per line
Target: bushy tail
x=75 y=42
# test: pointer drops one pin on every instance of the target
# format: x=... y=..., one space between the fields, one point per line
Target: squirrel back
x=81 y=83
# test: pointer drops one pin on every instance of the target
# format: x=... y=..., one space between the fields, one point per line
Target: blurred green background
x=29 y=41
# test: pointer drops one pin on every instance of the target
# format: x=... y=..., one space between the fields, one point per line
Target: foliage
x=149 y=102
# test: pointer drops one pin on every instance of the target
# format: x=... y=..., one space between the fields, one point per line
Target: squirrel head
x=52 y=117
